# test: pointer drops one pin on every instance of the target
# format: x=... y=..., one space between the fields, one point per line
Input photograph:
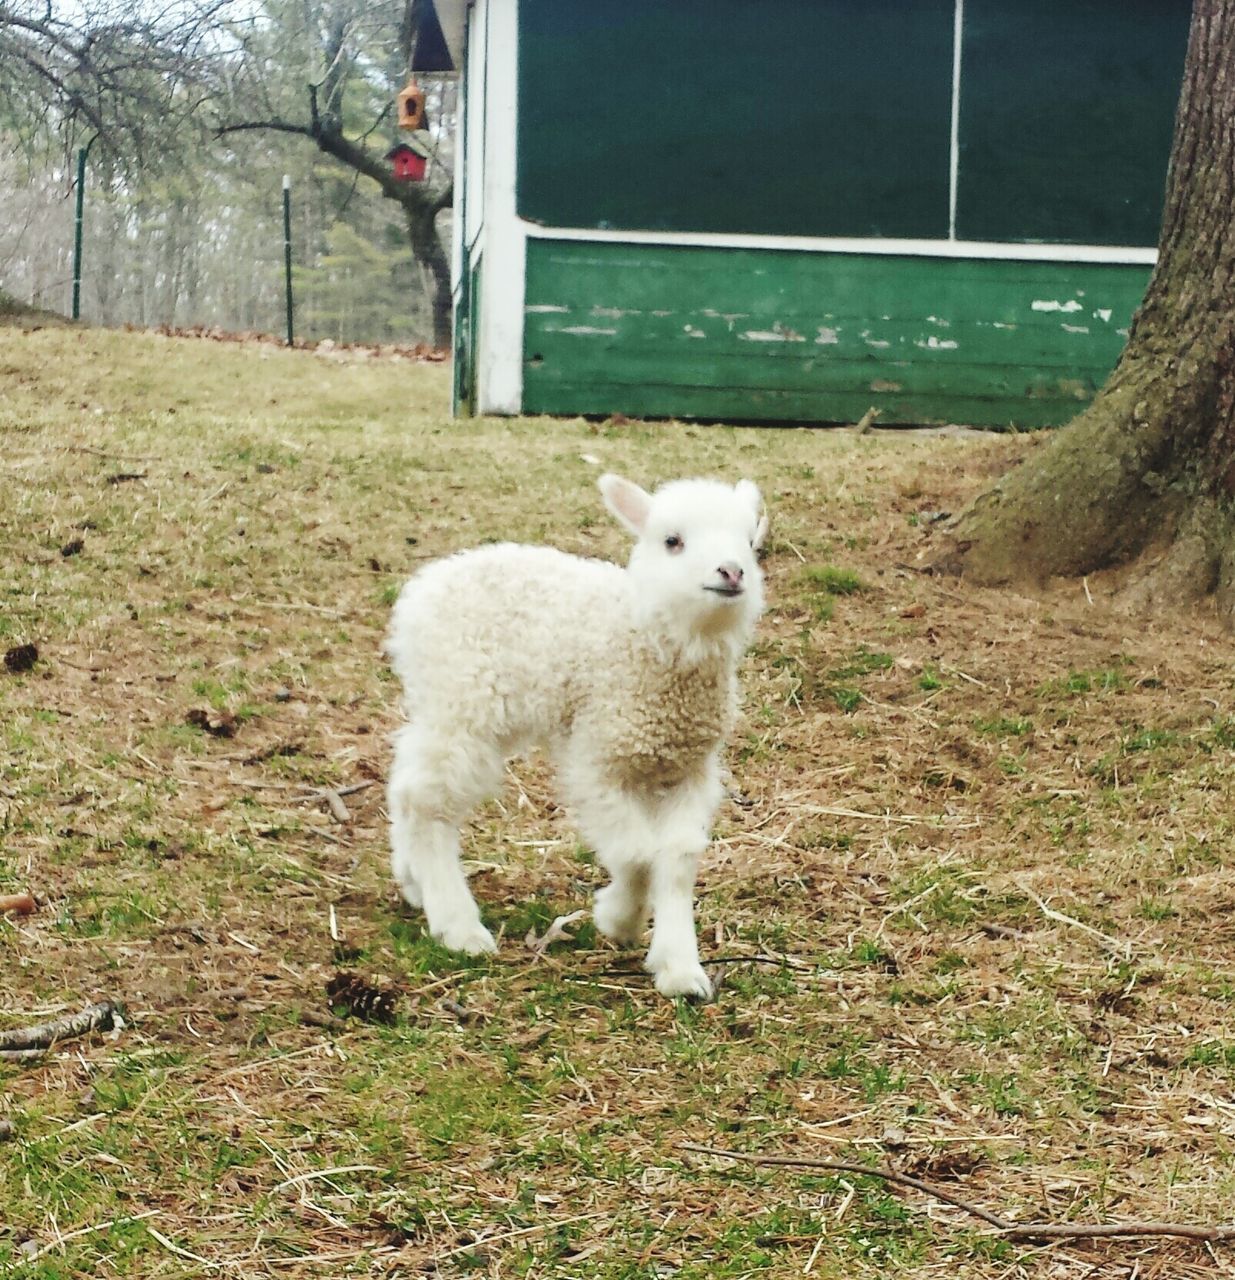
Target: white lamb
x=627 y=677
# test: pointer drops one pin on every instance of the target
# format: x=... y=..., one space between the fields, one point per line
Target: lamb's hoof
x=471 y=939
x=687 y=980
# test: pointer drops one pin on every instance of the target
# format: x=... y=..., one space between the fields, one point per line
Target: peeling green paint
x=782 y=335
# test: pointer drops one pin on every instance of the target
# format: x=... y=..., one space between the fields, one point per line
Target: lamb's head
x=694 y=565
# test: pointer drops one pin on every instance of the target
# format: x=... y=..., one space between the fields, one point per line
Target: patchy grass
x=820 y=583
x=972 y=913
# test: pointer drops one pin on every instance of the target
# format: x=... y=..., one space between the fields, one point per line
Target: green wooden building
x=795 y=210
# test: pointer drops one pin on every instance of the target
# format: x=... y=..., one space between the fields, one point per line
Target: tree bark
x=1146 y=474
x=430 y=253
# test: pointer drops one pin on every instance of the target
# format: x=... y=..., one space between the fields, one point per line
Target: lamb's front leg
x=673 y=957
x=681 y=827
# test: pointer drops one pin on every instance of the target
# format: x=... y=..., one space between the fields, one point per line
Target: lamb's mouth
x=727 y=591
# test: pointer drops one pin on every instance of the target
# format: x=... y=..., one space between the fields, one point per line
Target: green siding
x=779 y=335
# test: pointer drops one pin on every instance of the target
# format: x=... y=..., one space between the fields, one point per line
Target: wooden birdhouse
x=408 y=164
x=411 y=100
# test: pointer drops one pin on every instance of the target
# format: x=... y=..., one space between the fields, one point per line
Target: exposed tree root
x=1100 y=491
x=1141 y=481
x=1185 y=569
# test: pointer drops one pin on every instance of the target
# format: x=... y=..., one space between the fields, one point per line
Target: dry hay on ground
x=971 y=899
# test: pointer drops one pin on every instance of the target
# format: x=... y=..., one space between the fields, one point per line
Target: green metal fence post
x=287 y=251
x=81 y=195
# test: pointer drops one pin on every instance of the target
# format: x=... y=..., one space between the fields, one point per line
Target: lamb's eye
x=674 y=543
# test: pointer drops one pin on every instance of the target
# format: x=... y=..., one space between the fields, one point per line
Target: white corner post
x=499 y=348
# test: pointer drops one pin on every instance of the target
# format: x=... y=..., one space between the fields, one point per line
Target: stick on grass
x=94 y=1017
x=1011 y=1230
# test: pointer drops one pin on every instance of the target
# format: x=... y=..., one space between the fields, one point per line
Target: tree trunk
x=430 y=253
x=1146 y=474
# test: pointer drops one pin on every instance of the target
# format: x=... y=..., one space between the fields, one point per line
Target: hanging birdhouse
x=411 y=100
x=408 y=165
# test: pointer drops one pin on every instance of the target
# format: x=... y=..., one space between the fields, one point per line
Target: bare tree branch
x=278 y=126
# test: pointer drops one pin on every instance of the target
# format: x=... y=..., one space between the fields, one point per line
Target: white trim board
x=1130 y=254
x=499 y=350
x=470 y=158
x=954 y=138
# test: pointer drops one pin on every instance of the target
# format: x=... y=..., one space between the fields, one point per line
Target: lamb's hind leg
x=620 y=910
x=434 y=785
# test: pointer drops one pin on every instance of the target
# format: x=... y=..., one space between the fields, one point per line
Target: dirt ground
x=971 y=902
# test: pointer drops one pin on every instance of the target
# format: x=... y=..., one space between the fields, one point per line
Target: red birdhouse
x=409 y=165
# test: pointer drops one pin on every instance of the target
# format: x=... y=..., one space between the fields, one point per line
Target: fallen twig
x=61 y=1241
x=964 y=675
x=94 y=1017
x=485 y=1241
x=333 y=796
x=325 y=835
x=907 y=819
x=993 y=930
x=1122 y=949
x=108 y=453
x=181 y=1253
x=1011 y=1230
x=334 y=802
x=556 y=932
x=782 y=962
x=846 y=1166
x=327 y=1021
x=356 y=786
x=461 y=1011
x=1215 y=1232
x=314 y=1174
x=305 y=790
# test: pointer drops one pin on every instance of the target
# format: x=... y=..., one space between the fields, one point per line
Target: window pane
x=800 y=117
x=1067 y=108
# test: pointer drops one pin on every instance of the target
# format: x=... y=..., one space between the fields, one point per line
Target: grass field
x=972 y=898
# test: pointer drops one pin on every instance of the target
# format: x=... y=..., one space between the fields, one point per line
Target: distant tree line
x=191 y=121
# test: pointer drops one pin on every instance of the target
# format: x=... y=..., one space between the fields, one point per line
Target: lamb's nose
x=730 y=573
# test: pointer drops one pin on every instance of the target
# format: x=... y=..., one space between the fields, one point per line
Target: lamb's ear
x=627 y=501
x=748 y=491
x=761 y=533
